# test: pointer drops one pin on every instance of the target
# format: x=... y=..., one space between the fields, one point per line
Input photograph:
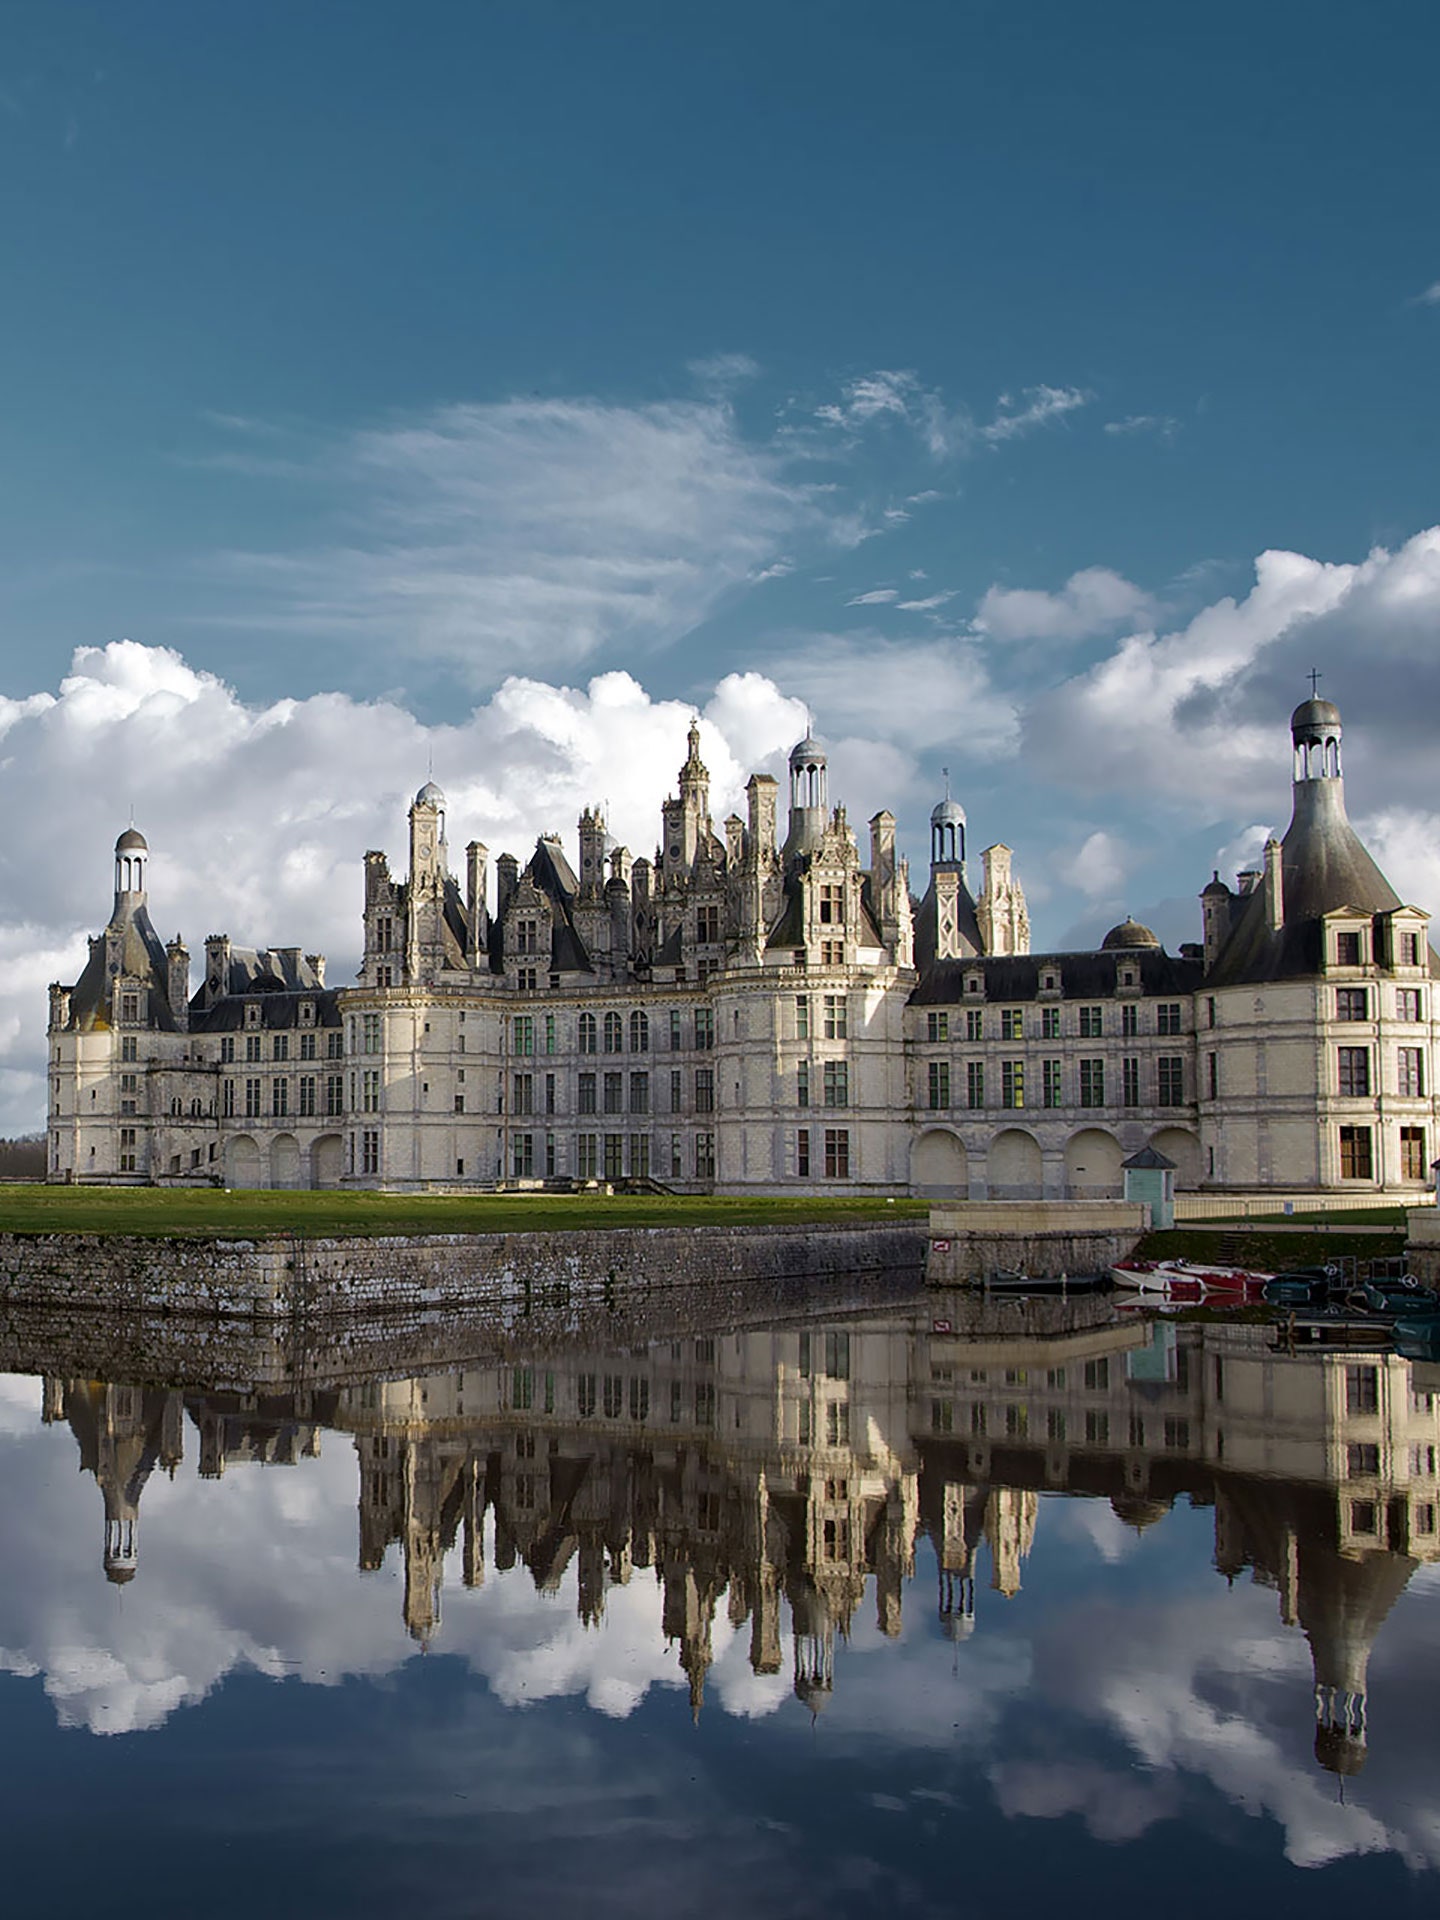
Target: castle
x=747 y=1011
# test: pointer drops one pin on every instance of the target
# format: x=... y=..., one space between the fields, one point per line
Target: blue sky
x=378 y=371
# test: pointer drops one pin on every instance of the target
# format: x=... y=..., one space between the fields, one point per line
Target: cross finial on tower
x=1315 y=679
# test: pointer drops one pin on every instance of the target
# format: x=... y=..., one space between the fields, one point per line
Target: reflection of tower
x=955 y=1557
x=814 y=1648
x=1343 y=1604
x=687 y=1615
x=122 y=1432
x=1010 y=1533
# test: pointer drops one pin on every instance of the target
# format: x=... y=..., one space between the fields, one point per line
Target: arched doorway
x=242 y=1162
x=1181 y=1146
x=1092 y=1166
x=285 y=1161
x=938 y=1166
x=1013 y=1167
x=327 y=1160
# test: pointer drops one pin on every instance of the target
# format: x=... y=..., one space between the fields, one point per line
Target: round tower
x=1315 y=734
x=809 y=796
x=947 y=835
x=132 y=853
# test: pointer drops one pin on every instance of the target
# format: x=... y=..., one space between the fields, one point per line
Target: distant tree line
x=24 y=1158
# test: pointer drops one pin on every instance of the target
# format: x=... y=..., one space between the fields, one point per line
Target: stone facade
x=746 y=1011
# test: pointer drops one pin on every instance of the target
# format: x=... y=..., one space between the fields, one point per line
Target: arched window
x=587 y=1033
x=614 y=1033
x=639 y=1032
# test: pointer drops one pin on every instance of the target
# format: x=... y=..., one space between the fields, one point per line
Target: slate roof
x=1082 y=976
x=142 y=957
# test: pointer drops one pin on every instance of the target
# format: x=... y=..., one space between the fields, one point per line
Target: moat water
x=889 y=1602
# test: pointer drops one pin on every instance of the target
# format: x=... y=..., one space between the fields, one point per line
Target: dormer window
x=832 y=906
x=527 y=936
x=1349 y=949
x=307 y=1013
x=252 y=1018
x=974 y=983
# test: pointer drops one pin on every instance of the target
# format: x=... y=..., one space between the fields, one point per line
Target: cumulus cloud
x=1197 y=712
x=258 y=815
x=1093 y=601
x=1100 y=865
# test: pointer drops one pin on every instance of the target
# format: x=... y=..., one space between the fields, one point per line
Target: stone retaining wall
x=971 y=1242
x=520 y=1274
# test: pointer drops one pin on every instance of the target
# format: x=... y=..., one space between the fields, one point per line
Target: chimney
x=1274 y=887
x=177 y=983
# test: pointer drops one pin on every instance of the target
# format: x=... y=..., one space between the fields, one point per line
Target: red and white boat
x=1189 y=1280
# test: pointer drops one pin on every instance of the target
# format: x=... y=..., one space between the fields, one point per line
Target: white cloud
x=1430 y=297
x=1160 y=424
x=1095 y=600
x=935 y=693
x=1100 y=866
x=877 y=597
x=1035 y=407
x=534 y=532
x=258 y=816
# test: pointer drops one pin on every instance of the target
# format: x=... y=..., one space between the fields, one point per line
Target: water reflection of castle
x=794 y=1465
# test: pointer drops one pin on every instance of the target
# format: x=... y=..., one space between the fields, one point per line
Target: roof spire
x=1315 y=678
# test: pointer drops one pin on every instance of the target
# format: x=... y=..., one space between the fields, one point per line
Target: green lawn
x=1269 y=1252
x=209 y=1213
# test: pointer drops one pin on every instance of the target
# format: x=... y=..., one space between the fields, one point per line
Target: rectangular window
x=127 y=1150
x=707 y=925
x=1357 y=1160
x=975 y=1083
x=1177 y=1432
x=1129 y=1020
x=1362 y=1460
x=1212 y=1075
x=704 y=1156
x=677 y=1097
x=1096 y=1376
x=704 y=1029
x=370 y=1033
x=334 y=1094
x=523 y=1034
x=1092 y=1082
x=307 y=1046
x=370 y=1090
x=1407 y=1004
x=549 y=1093
x=279 y=1098
x=1051 y=1085
x=1012 y=1023
x=1167 y=1017
x=837 y=1423
x=550 y=1033
x=1170 y=1079
x=802 y=1152
x=1091 y=1022
x=252 y=1047
x=523 y=1091
x=640 y=1093
x=974 y=1024
x=335 y=1044
x=1412 y=1154
x=587 y=1033
x=522 y=1155
x=832 y=905
x=1352 y=1003
x=307 y=1096
x=459 y=1103
x=802 y=1084
x=614 y=1156
x=280 y=1047
x=802 y=1016
x=252 y=1099
x=129 y=1006
x=614 y=1092
x=1412 y=1073
x=1129 y=1081
x=1362 y=1390
x=704 y=1090
x=639 y=1160
x=551 y=1157
x=1050 y=1023
x=1354 y=1073
x=1409 y=950
x=939 y=1083
x=837 y=1083
x=836 y=1017
x=227 y=1049
x=1347 y=949
x=587 y=1161
x=837 y=1153
x=937 y=1027
x=1012 y=1083
x=227 y=1099
x=370 y=1151
x=585 y=1101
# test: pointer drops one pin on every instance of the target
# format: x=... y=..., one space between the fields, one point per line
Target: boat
x=1188 y=1280
x=1013 y=1281
x=1402 y=1296
x=1418 y=1339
